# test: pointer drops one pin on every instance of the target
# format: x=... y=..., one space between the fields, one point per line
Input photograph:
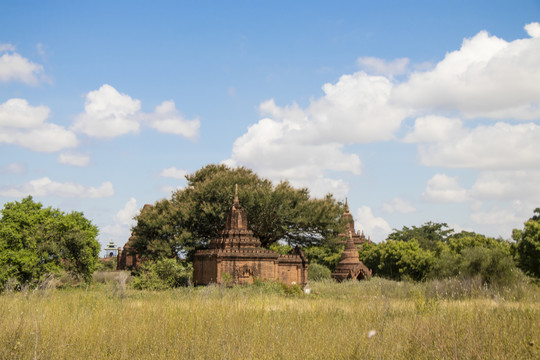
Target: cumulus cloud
x=74 y=159
x=174 y=173
x=487 y=77
x=398 y=205
x=125 y=215
x=25 y=125
x=47 y=187
x=166 y=119
x=443 y=188
x=306 y=145
x=123 y=221
x=14 y=67
x=375 y=227
x=507 y=185
x=445 y=142
x=109 y=113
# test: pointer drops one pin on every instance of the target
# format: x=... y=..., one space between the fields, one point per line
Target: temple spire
x=346 y=205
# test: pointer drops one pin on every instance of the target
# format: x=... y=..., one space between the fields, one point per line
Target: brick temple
x=350 y=266
x=237 y=256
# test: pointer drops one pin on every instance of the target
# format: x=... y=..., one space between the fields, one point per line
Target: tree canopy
x=196 y=214
x=35 y=241
x=433 y=250
x=527 y=245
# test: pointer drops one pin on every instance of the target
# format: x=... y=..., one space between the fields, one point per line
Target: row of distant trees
x=36 y=241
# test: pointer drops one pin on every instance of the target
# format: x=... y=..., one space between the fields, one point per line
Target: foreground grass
x=375 y=319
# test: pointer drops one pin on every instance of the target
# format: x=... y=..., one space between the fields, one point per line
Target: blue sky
x=416 y=111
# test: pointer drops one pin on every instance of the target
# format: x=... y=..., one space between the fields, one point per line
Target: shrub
x=318 y=272
x=162 y=274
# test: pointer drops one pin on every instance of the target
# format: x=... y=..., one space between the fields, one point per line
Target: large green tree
x=195 y=215
x=527 y=245
x=428 y=235
x=35 y=241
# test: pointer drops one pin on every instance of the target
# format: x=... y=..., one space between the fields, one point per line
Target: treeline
x=36 y=241
x=435 y=251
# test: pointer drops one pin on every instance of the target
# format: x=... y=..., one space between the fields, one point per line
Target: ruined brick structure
x=358 y=238
x=127 y=258
x=350 y=266
x=237 y=256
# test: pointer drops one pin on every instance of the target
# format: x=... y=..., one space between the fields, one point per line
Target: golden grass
x=255 y=323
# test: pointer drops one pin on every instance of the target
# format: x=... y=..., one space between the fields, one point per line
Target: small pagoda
x=350 y=266
x=236 y=256
x=357 y=236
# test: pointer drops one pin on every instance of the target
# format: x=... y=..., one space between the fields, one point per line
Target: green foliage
x=162 y=274
x=470 y=255
x=36 y=241
x=527 y=248
x=327 y=256
x=318 y=272
x=428 y=235
x=398 y=259
x=178 y=226
x=106 y=264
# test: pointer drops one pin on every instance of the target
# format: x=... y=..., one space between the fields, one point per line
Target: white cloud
x=166 y=119
x=125 y=216
x=507 y=185
x=123 y=221
x=13 y=169
x=375 y=227
x=14 y=67
x=108 y=114
x=379 y=66
x=74 y=159
x=432 y=129
x=498 y=146
x=17 y=113
x=47 y=187
x=443 y=188
x=487 y=77
x=25 y=125
x=398 y=205
x=304 y=145
x=533 y=29
x=174 y=173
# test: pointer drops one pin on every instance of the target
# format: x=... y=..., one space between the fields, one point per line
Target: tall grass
x=376 y=319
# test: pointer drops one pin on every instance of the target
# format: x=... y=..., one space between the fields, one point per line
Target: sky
x=414 y=111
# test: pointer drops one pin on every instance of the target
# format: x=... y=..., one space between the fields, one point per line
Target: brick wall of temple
x=205 y=271
x=245 y=271
x=290 y=270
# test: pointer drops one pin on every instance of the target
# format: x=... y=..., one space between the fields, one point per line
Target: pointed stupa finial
x=346 y=205
x=235 y=192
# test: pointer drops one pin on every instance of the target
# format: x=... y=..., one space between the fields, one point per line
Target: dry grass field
x=375 y=319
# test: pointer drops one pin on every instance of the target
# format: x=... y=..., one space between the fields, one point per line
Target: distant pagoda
x=350 y=266
x=357 y=236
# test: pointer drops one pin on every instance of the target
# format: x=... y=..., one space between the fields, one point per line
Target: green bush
x=318 y=272
x=162 y=274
